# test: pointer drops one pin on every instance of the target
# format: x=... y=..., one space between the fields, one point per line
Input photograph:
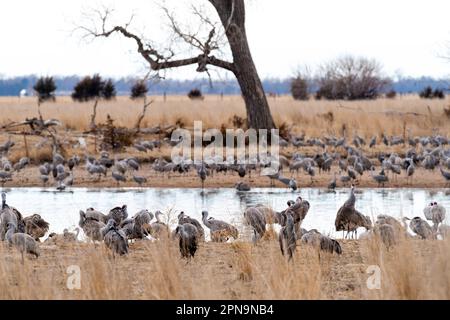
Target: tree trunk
x=232 y=15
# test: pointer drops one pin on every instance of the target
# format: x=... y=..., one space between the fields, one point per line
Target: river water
x=61 y=209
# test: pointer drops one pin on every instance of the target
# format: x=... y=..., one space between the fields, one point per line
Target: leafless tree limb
x=154 y=58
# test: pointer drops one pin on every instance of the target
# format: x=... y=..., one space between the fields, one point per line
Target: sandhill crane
x=446 y=175
x=311 y=172
x=379 y=178
x=255 y=218
x=399 y=228
x=344 y=179
x=21 y=164
x=35 y=226
x=202 y=173
x=66 y=236
x=220 y=230
x=319 y=241
x=118 y=177
x=242 y=186
x=188 y=243
x=410 y=171
x=9 y=215
x=22 y=241
x=44 y=179
x=183 y=218
x=332 y=184
x=436 y=213
x=5 y=147
x=389 y=230
x=421 y=228
x=91 y=213
x=139 y=180
x=287 y=238
x=348 y=218
x=135 y=228
x=241 y=170
x=115 y=239
x=91 y=227
x=159 y=229
x=351 y=173
x=270 y=215
x=118 y=214
x=373 y=142
x=290 y=183
x=133 y=164
x=299 y=209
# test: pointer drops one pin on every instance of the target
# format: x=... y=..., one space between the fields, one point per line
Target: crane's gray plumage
x=220 y=230
x=287 y=238
x=35 y=226
x=118 y=214
x=319 y=241
x=348 y=218
x=91 y=227
x=21 y=241
x=135 y=228
x=9 y=215
x=255 y=218
x=421 y=228
x=159 y=229
x=115 y=239
x=436 y=213
x=188 y=239
x=183 y=219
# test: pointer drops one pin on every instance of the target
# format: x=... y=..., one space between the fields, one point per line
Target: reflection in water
x=61 y=209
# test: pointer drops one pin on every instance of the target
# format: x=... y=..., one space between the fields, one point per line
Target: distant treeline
x=65 y=85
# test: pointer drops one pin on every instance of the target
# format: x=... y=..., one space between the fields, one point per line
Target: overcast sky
x=406 y=36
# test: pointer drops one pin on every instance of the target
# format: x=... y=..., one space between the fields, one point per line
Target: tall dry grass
x=315 y=118
x=415 y=269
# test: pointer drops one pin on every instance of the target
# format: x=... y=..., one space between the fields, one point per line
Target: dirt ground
x=29 y=177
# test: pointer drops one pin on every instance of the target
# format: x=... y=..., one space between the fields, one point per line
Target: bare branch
x=155 y=59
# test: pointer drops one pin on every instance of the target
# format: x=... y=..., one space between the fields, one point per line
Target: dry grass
x=415 y=269
x=315 y=118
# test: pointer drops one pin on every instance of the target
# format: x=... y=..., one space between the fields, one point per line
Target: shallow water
x=61 y=209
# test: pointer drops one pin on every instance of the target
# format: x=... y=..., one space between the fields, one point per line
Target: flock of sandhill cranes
x=349 y=162
x=116 y=229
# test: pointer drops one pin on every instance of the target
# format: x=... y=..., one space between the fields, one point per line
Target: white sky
x=406 y=36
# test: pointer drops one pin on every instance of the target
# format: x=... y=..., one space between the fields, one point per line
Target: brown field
x=315 y=118
x=415 y=269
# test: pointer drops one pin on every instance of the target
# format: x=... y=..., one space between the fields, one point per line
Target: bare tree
x=350 y=78
x=232 y=19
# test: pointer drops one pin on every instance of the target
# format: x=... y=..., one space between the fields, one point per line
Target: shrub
x=299 y=88
x=438 y=94
x=195 y=94
x=429 y=93
x=391 y=94
x=94 y=87
x=138 y=90
x=45 y=89
x=426 y=93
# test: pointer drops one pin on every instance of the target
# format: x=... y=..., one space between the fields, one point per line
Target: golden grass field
x=415 y=269
x=367 y=118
